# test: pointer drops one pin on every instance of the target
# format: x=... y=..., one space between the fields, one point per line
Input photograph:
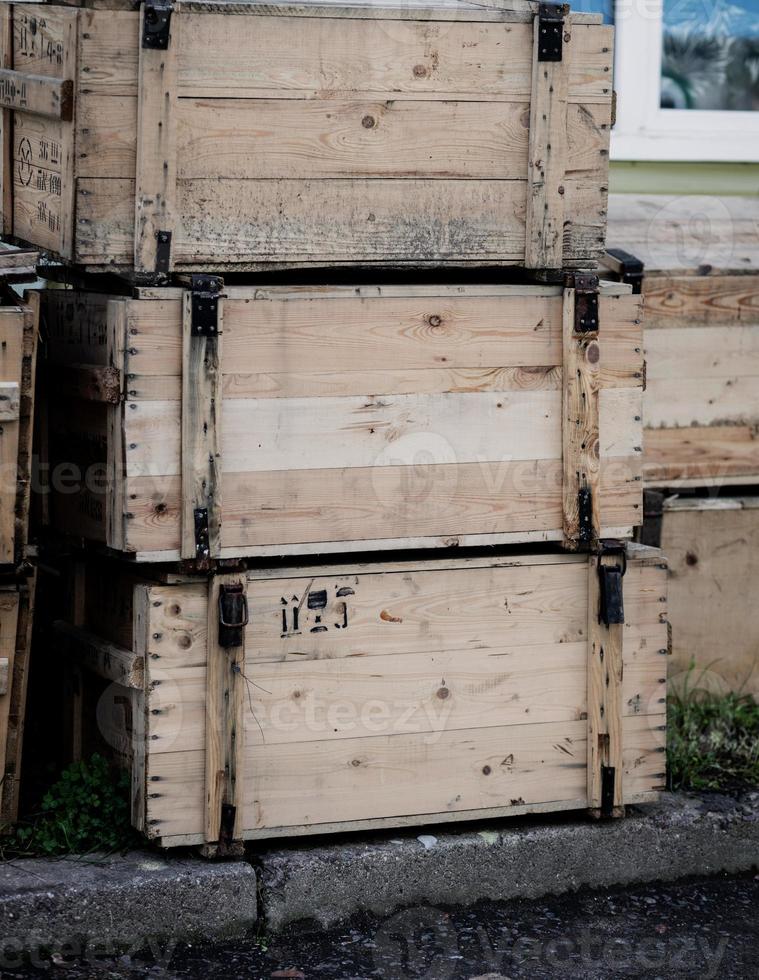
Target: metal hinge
x=156 y=26
x=611 y=611
x=202 y=537
x=586 y=301
x=608 y=784
x=206 y=291
x=551 y=31
x=233 y=615
x=585 y=509
x=629 y=268
x=163 y=252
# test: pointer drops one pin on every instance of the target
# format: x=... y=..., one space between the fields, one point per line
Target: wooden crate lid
x=492 y=10
x=688 y=234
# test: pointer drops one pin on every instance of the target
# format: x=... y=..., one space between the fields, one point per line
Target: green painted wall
x=684 y=178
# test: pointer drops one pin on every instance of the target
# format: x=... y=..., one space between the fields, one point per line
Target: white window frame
x=644 y=131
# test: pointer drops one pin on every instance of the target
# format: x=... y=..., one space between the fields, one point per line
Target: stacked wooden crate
x=18 y=347
x=701 y=284
x=409 y=349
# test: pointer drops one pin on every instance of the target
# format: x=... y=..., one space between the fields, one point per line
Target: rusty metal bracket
x=233 y=615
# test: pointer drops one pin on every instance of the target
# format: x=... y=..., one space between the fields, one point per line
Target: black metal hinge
x=206 y=291
x=233 y=615
x=586 y=302
x=156 y=26
x=163 y=252
x=202 y=536
x=608 y=783
x=611 y=611
x=551 y=31
x=585 y=508
x=630 y=269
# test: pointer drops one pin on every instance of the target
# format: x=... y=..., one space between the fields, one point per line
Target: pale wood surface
x=581 y=427
x=353 y=414
x=225 y=738
x=547 y=156
x=490 y=654
x=712 y=550
x=689 y=234
x=398 y=122
x=156 y=146
x=11 y=368
x=199 y=426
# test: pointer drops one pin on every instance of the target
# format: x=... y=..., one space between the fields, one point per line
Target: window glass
x=710 y=55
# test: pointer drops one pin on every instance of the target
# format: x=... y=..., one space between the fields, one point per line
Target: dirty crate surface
x=701 y=293
x=380 y=694
x=306 y=134
x=342 y=418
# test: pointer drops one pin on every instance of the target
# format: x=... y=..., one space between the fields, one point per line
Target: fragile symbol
x=25 y=171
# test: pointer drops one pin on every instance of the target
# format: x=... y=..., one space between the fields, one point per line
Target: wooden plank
x=14 y=705
x=225 y=751
x=9 y=620
x=116 y=506
x=28 y=418
x=388 y=502
x=360 y=220
x=712 y=549
x=364 y=58
x=361 y=697
x=155 y=183
x=6 y=127
x=270 y=434
x=51 y=97
x=547 y=156
x=201 y=451
x=400 y=777
x=105 y=659
x=284 y=334
x=605 y=692
x=44 y=181
x=11 y=367
x=293 y=138
x=701 y=454
x=728 y=351
x=580 y=427
x=701 y=301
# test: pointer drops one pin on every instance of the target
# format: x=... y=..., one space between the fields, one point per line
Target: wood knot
x=486 y=770
x=594 y=353
x=435 y=320
x=368 y=122
x=443 y=693
x=420 y=71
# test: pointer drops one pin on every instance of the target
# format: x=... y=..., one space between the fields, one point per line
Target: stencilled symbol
x=25 y=169
x=315 y=612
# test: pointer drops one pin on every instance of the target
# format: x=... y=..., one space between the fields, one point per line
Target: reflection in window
x=710 y=55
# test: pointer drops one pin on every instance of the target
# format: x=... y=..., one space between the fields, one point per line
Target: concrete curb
x=136 y=901
x=681 y=836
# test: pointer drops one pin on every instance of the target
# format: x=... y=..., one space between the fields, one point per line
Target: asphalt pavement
x=702 y=928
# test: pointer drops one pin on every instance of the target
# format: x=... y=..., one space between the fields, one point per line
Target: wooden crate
x=19 y=320
x=701 y=288
x=16 y=614
x=342 y=419
x=307 y=135
x=712 y=546
x=380 y=695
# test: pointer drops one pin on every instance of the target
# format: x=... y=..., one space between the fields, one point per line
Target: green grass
x=713 y=739
x=86 y=809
